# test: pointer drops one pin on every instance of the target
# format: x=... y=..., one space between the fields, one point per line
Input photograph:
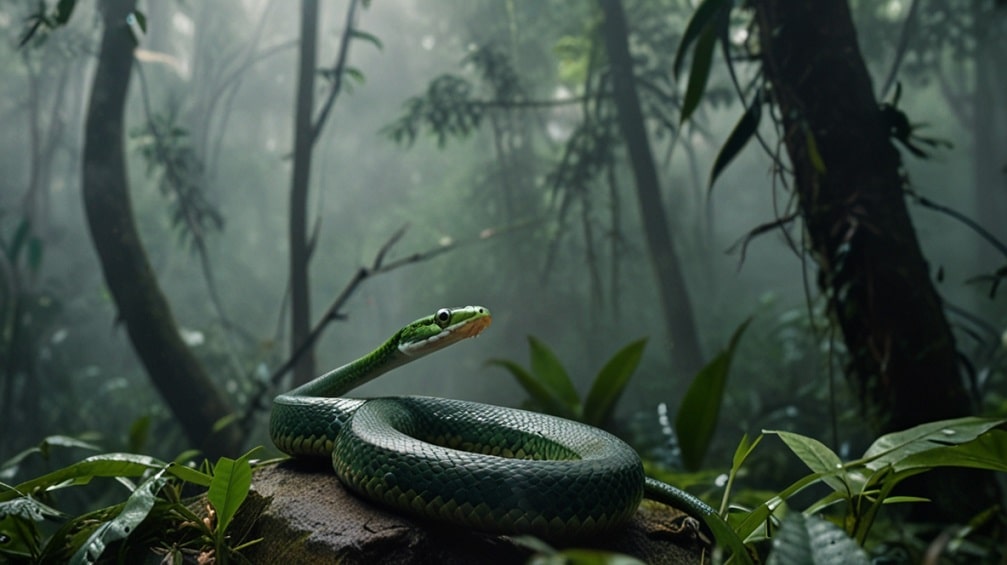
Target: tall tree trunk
x=175 y=371
x=674 y=296
x=849 y=182
x=300 y=296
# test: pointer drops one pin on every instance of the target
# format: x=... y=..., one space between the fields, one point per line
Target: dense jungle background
x=301 y=179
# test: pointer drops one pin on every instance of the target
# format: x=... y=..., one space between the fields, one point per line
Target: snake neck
x=342 y=380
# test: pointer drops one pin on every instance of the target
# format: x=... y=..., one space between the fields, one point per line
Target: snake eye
x=442 y=317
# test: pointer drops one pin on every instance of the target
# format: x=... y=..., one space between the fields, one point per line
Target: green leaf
x=988 y=451
x=697 y=415
x=610 y=383
x=80 y=473
x=355 y=74
x=699 y=72
x=27 y=508
x=136 y=509
x=228 y=489
x=368 y=37
x=189 y=475
x=537 y=390
x=139 y=431
x=818 y=457
x=546 y=366
x=743 y=450
x=10 y=467
x=740 y=135
x=701 y=18
x=814 y=540
x=891 y=448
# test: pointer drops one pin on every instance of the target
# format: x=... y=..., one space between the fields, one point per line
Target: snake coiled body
x=479 y=466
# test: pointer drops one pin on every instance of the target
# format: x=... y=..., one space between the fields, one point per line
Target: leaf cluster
x=172 y=160
x=153 y=517
x=551 y=390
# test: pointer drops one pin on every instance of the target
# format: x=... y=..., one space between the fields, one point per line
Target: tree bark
x=300 y=297
x=676 y=306
x=172 y=367
x=849 y=181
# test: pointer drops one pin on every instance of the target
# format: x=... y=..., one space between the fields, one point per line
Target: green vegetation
x=555 y=161
x=153 y=517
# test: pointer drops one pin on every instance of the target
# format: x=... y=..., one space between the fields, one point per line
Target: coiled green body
x=483 y=467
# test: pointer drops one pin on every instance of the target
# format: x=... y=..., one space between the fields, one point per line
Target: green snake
x=483 y=467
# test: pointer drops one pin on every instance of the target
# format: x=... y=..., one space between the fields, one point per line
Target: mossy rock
x=304 y=515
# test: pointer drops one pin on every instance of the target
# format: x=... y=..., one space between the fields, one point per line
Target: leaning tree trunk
x=849 y=181
x=673 y=294
x=175 y=371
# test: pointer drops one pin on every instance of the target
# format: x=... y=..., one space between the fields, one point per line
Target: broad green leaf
x=818 y=457
x=19 y=538
x=81 y=473
x=702 y=17
x=697 y=415
x=891 y=448
x=699 y=72
x=813 y=540
x=610 y=383
x=742 y=132
x=550 y=371
x=228 y=489
x=988 y=451
x=135 y=510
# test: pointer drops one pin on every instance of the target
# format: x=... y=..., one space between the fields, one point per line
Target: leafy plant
x=552 y=391
x=155 y=505
x=700 y=407
x=866 y=484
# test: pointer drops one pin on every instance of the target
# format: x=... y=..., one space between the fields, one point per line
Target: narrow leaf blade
x=697 y=415
x=546 y=366
x=743 y=131
x=703 y=15
x=611 y=381
x=699 y=73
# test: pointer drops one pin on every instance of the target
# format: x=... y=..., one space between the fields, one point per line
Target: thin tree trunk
x=674 y=296
x=172 y=367
x=849 y=182
x=300 y=303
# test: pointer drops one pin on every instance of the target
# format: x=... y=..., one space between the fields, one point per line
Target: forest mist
x=484 y=211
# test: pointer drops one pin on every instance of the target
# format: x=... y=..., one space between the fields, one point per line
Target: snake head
x=442 y=328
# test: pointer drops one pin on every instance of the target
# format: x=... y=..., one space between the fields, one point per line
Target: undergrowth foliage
x=152 y=517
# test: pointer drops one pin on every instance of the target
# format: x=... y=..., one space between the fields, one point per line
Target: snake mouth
x=471 y=327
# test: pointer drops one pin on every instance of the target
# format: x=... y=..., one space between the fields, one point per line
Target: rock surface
x=309 y=517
